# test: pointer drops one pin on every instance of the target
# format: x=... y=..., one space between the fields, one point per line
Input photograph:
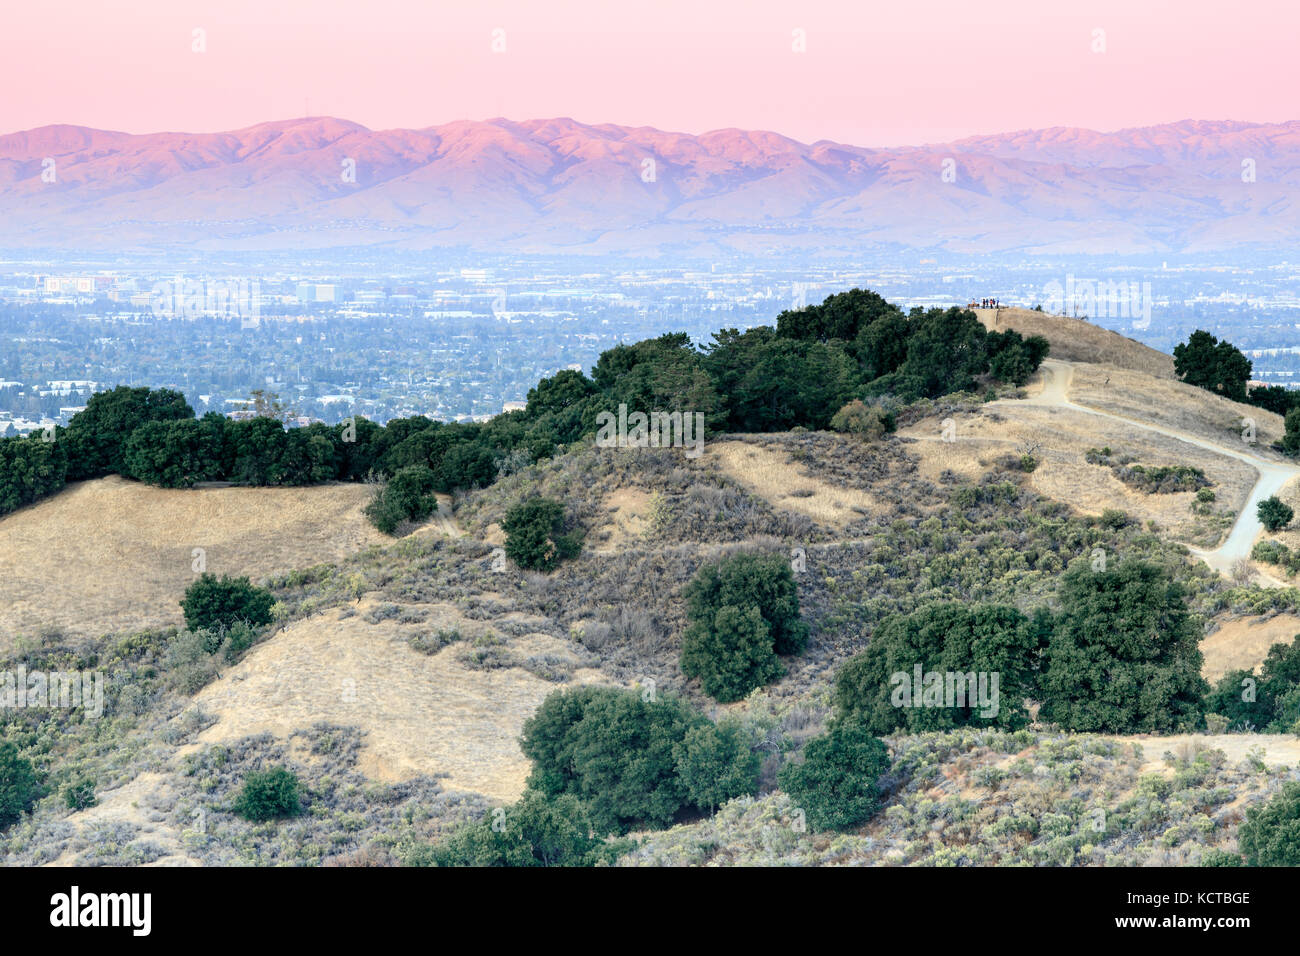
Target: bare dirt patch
x=421 y=714
x=770 y=475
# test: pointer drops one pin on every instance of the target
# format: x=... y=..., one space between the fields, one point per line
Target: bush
x=836 y=785
x=79 y=794
x=1217 y=857
x=19 y=788
x=716 y=764
x=268 y=795
x=612 y=750
x=732 y=654
x=407 y=496
x=535 y=831
x=535 y=535
x=866 y=421
x=213 y=604
x=1274 y=513
x=1270 y=835
x=744 y=610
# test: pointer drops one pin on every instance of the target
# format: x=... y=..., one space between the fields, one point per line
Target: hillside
x=123 y=552
x=398 y=675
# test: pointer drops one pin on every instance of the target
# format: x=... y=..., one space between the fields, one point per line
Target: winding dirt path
x=1272 y=475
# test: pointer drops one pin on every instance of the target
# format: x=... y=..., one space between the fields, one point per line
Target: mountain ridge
x=558 y=184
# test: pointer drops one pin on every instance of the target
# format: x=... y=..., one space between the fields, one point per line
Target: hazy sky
x=907 y=71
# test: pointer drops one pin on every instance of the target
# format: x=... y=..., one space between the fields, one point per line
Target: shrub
x=268 y=795
x=744 y=610
x=716 y=764
x=407 y=496
x=732 y=654
x=866 y=421
x=836 y=785
x=535 y=831
x=612 y=750
x=79 y=794
x=211 y=603
x=535 y=535
x=1270 y=835
x=19 y=787
x=1217 y=857
x=1274 y=513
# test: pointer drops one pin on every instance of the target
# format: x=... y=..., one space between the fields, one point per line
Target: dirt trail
x=1272 y=475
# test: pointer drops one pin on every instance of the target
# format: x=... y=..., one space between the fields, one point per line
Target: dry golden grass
x=1062 y=437
x=1243 y=644
x=629 y=510
x=1278 y=750
x=115 y=555
x=420 y=714
x=1172 y=404
x=1077 y=340
x=771 y=476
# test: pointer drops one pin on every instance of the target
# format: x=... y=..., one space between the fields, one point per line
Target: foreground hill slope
x=399 y=673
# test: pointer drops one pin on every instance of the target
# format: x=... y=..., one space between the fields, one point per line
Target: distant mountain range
x=547 y=186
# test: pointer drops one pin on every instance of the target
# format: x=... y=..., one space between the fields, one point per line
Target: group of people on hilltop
x=985 y=303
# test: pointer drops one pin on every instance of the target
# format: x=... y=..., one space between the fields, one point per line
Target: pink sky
x=906 y=71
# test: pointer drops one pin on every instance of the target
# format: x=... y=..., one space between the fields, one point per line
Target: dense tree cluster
x=902 y=681
x=632 y=760
x=816 y=361
x=1120 y=656
x=743 y=612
